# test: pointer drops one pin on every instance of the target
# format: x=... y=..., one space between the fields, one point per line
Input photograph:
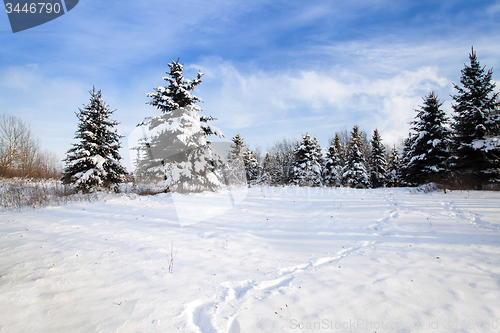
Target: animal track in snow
x=200 y=315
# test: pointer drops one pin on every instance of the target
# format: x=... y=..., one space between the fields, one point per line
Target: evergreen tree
x=306 y=165
x=339 y=147
x=378 y=161
x=94 y=162
x=354 y=173
x=405 y=173
x=252 y=166
x=176 y=155
x=242 y=162
x=429 y=153
x=393 y=176
x=235 y=170
x=477 y=124
x=333 y=163
x=265 y=175
x=236 y=148
x=178 y=95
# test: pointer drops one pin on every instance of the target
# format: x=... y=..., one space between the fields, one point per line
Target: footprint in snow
x=235 y=327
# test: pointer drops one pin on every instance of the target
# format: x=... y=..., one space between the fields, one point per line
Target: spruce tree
x=252 y=166
x=477 y=124
x=354 y=173
x=405 y=173
x=235 y=169
x=333 y=163
x=339 y=147
x=265 y=175
x=428 y=156
x=378 y=161
x=393 y=176
x=94 y=161
x=237 y=147
x=178 y=95
x=306 y=165
x=176 y=155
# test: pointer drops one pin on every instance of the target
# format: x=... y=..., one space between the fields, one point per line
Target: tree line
x=176 y=154
x=461 y=152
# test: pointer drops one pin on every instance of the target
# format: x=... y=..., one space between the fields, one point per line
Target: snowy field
x=283 y=260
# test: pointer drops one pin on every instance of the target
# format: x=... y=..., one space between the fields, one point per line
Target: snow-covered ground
x=283 y=260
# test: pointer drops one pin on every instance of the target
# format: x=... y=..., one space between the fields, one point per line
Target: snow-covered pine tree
x=339 y=148
x=377 y=160
x=429 y=155
x=178 y=95
x=252 y=166
x=477 y=124
x=236 y=147
x=333 y=164
x=265 y=175
x=306 y=165
x=176 y=155
x=354 y=173
x=94 y=161
x=235 y=169
x=393 y=176
x=405 y=160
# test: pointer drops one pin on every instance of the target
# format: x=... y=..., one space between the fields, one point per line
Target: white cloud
x=316 y=102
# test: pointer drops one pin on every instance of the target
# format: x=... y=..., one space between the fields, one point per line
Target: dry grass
x=22 y=193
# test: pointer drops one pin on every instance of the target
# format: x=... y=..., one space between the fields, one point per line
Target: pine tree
x=354 y=173
x=340 y=149
x=393 y=176
x=428 y=156
x=378 y=161
x=333 y=163
x=265 y=176
x=306 y=165
x=477 y=124
x=178 y=95
x=94 y=162
x=252 y=166
x=405 y=172
x=237 y=148
x=235 y=170
x=176 y=155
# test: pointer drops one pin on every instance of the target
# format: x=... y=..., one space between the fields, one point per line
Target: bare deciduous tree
x=281 y=157
x=20 y=152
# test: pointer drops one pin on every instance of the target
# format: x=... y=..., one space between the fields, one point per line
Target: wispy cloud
x=259 y=100
x=273 y=69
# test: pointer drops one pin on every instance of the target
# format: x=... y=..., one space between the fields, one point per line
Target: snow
x=490 y=143
x=292 y=259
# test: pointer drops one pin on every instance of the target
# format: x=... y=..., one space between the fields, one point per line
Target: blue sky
x=273 y=69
